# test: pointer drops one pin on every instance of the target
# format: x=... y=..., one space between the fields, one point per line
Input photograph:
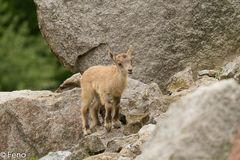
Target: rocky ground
x=182 y=102
x=198 y=119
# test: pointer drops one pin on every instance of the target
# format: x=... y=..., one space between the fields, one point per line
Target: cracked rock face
x=167 y=35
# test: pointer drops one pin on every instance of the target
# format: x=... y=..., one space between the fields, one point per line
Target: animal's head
x=123 y=60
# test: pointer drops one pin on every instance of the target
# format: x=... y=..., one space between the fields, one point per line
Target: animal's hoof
x=108 y=127
x=86 y=132
x=117 y=124
x=95 y=127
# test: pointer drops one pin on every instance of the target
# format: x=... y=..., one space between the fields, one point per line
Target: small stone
x=93 y=145
x=230 y=69
x=88 y=146
x=132 y=127
x=210 y=73
x=138 y=117
x=116 y=144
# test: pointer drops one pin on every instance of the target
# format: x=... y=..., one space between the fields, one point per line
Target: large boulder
x=199 y=126
x=166 y=35
x=37 y=122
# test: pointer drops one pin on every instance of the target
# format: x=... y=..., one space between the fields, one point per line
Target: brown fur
x=103 y=86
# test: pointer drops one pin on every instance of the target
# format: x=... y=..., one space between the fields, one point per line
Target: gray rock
x=167 y=35
x=88 y=146
x=70 y=83
x=37 y=122
x=59 y=155
x=92 y=144
x=199 y=126
x=116 y=144
x=77 y=155
x=230 y=69
x=146 y=132
x=206 y=72
x=142 y=97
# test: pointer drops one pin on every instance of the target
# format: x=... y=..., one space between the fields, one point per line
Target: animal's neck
x=121 y=73
x=119 y=80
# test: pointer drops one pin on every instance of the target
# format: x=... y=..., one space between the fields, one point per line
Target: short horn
x=130 y=50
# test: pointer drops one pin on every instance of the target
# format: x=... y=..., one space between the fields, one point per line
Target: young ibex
x=103 y=86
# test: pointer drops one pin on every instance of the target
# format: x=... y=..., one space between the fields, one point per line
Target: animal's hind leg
x=108 y=102
x=85 y=104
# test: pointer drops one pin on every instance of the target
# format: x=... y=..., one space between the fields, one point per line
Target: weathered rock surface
x=167 y=35
x=141 y=97
x=199 y=126
x=59 y=155
x=184 y=82
x=37 y=122
x=88 y=146
x=181 y=81
x=116 y=144
x=145 y=133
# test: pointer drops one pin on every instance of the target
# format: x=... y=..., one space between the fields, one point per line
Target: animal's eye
x=124 y=56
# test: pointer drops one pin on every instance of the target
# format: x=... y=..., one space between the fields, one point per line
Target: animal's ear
x=111 y=54
x=130 y=50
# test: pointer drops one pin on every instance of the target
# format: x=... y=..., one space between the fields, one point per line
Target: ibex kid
x=103 y=86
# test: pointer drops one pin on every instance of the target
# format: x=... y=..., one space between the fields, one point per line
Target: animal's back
x=98 y=73
x=104 y=79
